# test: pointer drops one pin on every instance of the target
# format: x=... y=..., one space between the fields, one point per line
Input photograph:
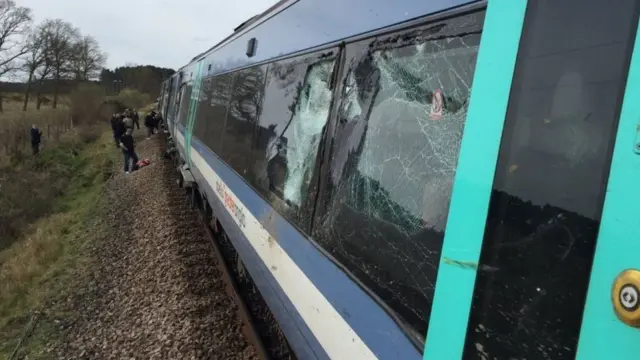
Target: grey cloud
x=163 y=33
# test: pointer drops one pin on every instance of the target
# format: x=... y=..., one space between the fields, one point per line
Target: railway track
x=259 y=325
x=250 y=329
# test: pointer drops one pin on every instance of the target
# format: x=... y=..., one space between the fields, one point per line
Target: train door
x=168 y=92
x=193 y=106
x=181 y=87
x=541 y=257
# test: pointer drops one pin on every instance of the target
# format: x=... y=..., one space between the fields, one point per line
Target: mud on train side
x=385 y=210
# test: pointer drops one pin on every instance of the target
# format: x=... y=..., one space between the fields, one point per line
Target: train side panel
x=322 y=309
x=318 y=306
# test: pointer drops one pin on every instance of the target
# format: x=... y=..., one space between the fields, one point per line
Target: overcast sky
x=165 y=33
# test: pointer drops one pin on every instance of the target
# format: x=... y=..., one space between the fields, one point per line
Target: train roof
x=292 y=26
x=245 y=25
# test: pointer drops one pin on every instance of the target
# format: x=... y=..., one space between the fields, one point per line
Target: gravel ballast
x=153 y=290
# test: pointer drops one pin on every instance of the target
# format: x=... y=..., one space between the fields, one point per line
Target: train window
x=175 y=102
x=203 y=112
x=550 y=179
x=215 y=114
x=242 y=118
x=185 y=98
x=295 y=111
x=394 y=156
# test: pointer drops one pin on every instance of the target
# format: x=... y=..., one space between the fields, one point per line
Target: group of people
x=123 y=124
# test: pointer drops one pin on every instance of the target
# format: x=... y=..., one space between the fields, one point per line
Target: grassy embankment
x=48 y=207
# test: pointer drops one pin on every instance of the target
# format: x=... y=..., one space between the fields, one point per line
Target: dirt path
x=153 y=291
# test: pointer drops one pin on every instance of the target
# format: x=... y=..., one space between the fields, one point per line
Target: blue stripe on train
x=300 y=337
x=372 y=324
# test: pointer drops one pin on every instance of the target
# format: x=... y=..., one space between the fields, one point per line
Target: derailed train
x=385 y=210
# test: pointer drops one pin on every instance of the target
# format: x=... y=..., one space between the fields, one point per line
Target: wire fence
x=15 y=128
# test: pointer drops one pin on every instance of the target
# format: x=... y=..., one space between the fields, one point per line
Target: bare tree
x=42 y=73
x=60 y=37
x=87 y=60
x=37 y=58
x=14 y=23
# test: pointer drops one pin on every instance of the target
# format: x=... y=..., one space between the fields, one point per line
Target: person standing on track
x=128 y=121
x=127 y=144
x=117 y=128
x=136 y=118
x=157 y=121
x=149 y=124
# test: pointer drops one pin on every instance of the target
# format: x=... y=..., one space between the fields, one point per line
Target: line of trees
x=53 y=50
x=144 y=78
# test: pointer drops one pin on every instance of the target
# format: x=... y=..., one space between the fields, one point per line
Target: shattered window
x=306 y=127
x=295 y=111
x=402 y=115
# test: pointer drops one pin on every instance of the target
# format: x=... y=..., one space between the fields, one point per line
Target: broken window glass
x=306 y=127
x=294 y=113
x=401 y=119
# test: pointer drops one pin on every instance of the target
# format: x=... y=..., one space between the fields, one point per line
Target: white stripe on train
x=335 y=335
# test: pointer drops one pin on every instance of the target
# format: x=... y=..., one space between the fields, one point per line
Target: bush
x=85 y=101
x=16 y=97
x=133 y=98
x=88 y=134
x=110 y=107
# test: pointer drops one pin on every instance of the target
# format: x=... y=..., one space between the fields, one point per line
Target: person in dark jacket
x=127 y=144
x=157 y=121
x=117 y=126
x=136 y=118
x=36 y=135
x=149 y=123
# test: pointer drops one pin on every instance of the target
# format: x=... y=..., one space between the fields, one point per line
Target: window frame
x=234 y=82
x=308 y=206
x=349 y=52
x=341 y=52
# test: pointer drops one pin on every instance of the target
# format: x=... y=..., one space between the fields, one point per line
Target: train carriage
x=442 y=179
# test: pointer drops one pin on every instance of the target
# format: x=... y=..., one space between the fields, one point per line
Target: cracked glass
x=401 y=119
x=295 y=111
x=550 y=179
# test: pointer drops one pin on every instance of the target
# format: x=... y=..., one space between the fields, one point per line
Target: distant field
x=15 y=123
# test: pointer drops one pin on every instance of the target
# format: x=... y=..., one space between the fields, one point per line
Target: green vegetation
x=50 y=205
x=40 y=262
x=48 y=202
